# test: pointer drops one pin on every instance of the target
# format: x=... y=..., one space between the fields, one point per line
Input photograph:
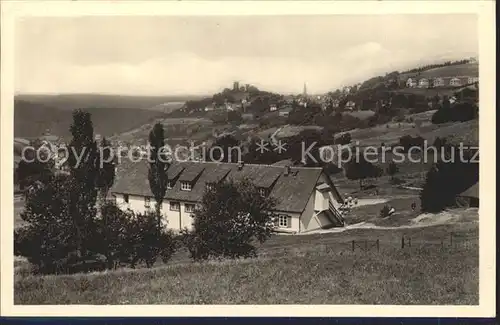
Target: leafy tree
x=446 y=179
x=147 y=240
x=360 y=169
x=31 y=169
x=392 y=169
x=225 y=149
x=157 y=167
x=384 y=212
x=107 y=168
x=460 y=112
x=256 y=156
x=113 y=233
x=83 y=162
x=231 y=217
x=49 y=234
x=344 y=138
x=407 y=142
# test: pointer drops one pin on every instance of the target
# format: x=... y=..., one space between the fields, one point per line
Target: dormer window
x=210 y=186
x=263 y=191
x=170 y=185
x=186 y=186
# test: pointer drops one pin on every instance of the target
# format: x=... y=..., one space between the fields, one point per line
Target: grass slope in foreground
x=313 y=269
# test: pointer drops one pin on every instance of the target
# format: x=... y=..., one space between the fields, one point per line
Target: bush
x=147 y=241
x=407 y=142
x=445 y=180
x=232 y=216
x=344 y=139
x=48 y=239
x=460 y=112
x=384 y=212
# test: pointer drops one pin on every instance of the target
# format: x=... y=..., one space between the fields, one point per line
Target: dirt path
x=421 y=221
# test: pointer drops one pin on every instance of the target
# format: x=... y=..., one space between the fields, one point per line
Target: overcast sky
x=201 y=55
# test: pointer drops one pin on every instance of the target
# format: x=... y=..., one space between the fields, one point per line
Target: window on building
x=185 y=186
x=170 y=185
x=175 y=206
x=189 y=207
x=284 y=221
x=262 y=191
x=210 y=186
x=147 y=202
x=125 y=198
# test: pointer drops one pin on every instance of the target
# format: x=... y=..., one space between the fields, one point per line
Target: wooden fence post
x=366 y=245
x=403 y=241
x=353 y=245
x=451 y=239
x=409 y=241
x=378 y=246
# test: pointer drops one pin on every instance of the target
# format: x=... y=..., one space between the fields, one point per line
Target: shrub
x=384 y=212
x=445 y=180
x=407 y=142
x=231 y=217
x=344 y=139
x=360 y=169
x=147 y=241
x=460 y=112
x=49 y=235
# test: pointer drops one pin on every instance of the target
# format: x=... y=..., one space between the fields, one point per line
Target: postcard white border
x=11 y=10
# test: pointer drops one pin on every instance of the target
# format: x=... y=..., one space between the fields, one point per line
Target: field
x=307 y=269
x=468 y=69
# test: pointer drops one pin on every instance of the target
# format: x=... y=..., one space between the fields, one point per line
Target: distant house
x=438 y=82
x=346 y=89
x=335 y=103
x=472 y=80
x=411 y=83
x=350 y=106
x=471 y=196
x=273 y=107
x=284 y=112
x=307 y=198
x=248 y=116
x=209 y=108
x=423 y=83
x=455 y=82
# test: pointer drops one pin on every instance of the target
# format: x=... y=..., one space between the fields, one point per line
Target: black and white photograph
x=248 y=159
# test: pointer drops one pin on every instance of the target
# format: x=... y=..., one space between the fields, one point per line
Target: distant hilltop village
x=371 y=94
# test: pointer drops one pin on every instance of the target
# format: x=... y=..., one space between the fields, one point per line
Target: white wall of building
x=300 y=222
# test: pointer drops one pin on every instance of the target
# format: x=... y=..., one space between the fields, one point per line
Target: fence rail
x=451 y=241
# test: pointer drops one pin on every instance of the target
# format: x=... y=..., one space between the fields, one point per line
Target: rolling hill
x=467 y=69
x=31 y=119
x=74 y=101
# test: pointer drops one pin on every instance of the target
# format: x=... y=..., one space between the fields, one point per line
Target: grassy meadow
x=300 y=269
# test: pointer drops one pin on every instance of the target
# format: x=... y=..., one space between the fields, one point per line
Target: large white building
x=307 y=198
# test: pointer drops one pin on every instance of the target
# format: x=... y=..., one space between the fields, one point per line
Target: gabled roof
x=191 y=172
x=291 y=191
x=472 y=191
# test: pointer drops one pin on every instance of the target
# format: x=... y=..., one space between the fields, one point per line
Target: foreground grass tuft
x=315 y=270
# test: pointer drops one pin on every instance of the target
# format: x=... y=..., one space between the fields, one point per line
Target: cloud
x=164 y=56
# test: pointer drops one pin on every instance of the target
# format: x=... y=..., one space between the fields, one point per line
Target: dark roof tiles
x=292 y=191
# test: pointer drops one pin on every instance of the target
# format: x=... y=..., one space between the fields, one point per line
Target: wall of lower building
x=174 y=220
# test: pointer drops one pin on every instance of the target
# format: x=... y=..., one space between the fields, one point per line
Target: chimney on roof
x=240 y=165
x=287 y=170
